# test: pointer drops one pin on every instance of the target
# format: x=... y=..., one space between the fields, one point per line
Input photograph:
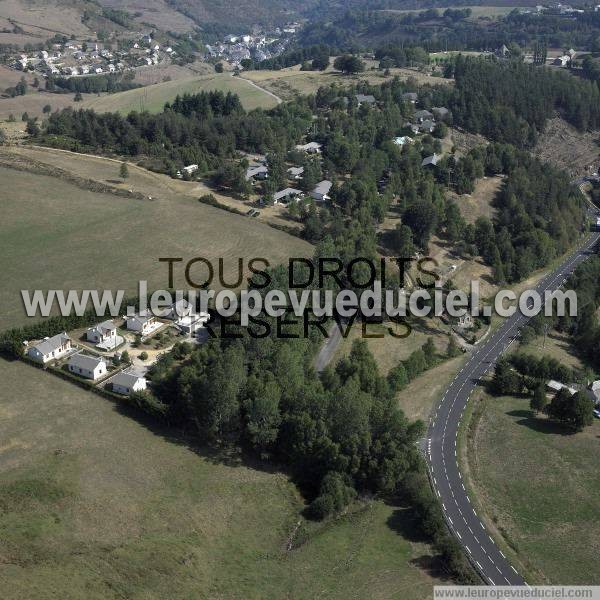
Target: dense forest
x=510 y=101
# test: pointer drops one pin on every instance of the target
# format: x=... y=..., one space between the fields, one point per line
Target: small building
x=295 y=172
x=90 y=367
x=142 y=323
x=440 y=112
x=412 y=126
x=181 y=308
x=411 y=97
x=50 y=348
x=431 y=161
x=365 y=99
x=555 y=386
x=427 y=126
x=102 y=333
x=423 y=115
x=127 y=382
x=284 y=196
x=310 y=148
x=321 y=191
x=562 y=61
x=260 y=172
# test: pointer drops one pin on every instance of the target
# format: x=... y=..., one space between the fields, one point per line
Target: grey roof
x=309 y=146
x=296 y=171
x=440 y=110
x=431 y=160
x=252 y=171
x=51 y=344
x=322 y=187
x=84 y=361
x=423 y=114
x=411 y=96
x=142 y=317
x=108 y=324
x=368 y=98
x=427 y=125
x=286 y=192
x=126 y=379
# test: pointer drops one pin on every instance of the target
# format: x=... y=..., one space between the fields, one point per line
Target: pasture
x=57 y=236
x=98 y=505
x=153 y=97
x=290 y=82
x=543 y=502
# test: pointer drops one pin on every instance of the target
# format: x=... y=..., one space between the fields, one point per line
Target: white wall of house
x=138 y=386
x=95 y=373
x=38 y=356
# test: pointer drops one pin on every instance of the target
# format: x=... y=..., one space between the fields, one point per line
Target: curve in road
x=441 y=443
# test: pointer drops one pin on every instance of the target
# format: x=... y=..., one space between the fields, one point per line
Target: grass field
x=290 y=82
x=544 y=501
x=152 y=98
x=96 y=505
x=57 y=236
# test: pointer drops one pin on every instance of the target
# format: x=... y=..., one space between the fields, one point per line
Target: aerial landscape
x=299 y=299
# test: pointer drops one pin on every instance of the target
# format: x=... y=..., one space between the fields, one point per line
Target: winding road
x=441 y=442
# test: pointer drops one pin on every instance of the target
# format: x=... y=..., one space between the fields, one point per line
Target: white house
x=321 y=191
x=310 y=148
x=181 y=308
x=90 y=367
x=190 y=169
x=103 y=332
x=125 y=383
x=50 y=348
x=142 y=323
x=562 y=61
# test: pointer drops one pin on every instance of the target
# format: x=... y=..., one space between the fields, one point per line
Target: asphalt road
x=441 y=450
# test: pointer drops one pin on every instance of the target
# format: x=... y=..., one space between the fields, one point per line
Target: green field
x=54 y=235
x=153 y=97
x=544 y=500
x=96 y=505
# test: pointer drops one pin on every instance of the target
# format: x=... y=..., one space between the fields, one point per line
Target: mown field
x=54 y=235
x=96 y=505
x=152 y=98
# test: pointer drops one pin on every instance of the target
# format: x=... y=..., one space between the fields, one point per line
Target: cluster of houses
x=105 y=336
x=252 y=46
x=320 y=193
x=73 y=59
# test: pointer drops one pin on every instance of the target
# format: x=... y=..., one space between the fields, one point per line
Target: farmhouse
x=104 y=332
x=321 y=191
x=143 y=323
x=90 y=367
x=310 y=148
x=125 y=383
x=50 y=348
